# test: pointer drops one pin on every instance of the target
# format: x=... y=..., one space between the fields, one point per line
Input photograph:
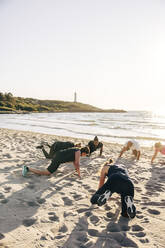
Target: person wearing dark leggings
x=63 y=156
x=118 y=182
x=55 y=147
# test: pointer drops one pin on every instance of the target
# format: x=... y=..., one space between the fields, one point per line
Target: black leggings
x=51 y=153
x=116 y=184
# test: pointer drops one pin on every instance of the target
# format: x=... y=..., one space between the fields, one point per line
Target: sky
x=112 y=53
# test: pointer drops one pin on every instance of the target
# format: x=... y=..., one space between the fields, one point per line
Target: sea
x=143 y=126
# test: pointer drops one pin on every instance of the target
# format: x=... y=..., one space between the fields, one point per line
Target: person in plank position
x=63 y=156
x=118 y=182
x=57 y=146
x=95 y=144
x=134 y=146
x=158 y=148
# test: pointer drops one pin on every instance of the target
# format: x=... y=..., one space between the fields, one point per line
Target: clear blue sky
x=111 y=52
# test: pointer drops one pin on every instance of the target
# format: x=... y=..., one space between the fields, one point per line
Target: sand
x=55 y=212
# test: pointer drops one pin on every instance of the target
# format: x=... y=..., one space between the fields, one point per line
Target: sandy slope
x=41 y=211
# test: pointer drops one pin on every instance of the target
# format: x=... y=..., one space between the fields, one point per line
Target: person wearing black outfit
x=57 y=146
x=62 y=156
x=118 y=182
x=95 y=144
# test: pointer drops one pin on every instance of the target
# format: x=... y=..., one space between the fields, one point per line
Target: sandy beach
x=55 y=211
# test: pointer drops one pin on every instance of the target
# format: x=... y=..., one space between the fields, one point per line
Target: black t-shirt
x=61 y=145
x=92 y=146
x=118 y=169
x=67 y=155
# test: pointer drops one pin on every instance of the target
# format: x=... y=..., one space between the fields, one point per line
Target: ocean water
x=145 y=127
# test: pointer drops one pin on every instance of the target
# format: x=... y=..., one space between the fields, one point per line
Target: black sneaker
x=40 y=147
x=104 y=197
x=131 y=209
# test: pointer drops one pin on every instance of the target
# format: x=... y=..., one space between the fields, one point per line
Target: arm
x=101 y=150
x=138 y=155
x=154 y=156
x=122 y=151
x=77 y=162
x=104 y=172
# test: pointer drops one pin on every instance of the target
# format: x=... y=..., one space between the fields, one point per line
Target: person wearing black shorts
x=63 y=156
x=55 y=147
x=95 y=144
x=118 y=182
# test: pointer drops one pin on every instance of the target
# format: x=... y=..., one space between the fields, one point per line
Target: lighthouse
x=75 y=97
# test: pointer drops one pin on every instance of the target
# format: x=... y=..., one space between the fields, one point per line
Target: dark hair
x=110 y=161
x=85 y=150
x=96 y=138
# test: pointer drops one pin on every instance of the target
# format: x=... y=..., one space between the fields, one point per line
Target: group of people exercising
x=118 y=179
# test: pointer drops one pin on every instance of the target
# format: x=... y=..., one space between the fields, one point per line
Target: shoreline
x=69 y=138
x=55 y=211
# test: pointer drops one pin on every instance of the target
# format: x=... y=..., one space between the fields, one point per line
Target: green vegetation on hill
x=11 y=104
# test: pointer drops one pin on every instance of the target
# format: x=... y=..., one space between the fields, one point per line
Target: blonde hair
x=158 y=145
x=108 y=162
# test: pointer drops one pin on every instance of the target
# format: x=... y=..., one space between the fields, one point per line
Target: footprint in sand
x=77 y=197
x=110 y=215
x=144 y=240
x=146 y=220
x=53 y=216
x=94 y=219
x=4 y=201
x=41 y=200
x=63 y=229
x=93 y=232
x=137 y=228
x=68 y=184
x=32 y=204
x=7 y=189
x=140 y=234
x=107 y=208
x=139 y=215
x=153 y=211
x=67 y=201
x=88 y=213
x=1 y=236
x=28 y=222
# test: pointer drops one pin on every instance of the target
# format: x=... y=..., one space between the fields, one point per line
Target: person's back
x=94 y=145
x=66 y=155
x=61 y=145
x=118 y=169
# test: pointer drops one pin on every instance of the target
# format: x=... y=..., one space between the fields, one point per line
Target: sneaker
x=131 y=209
x=104 y=197
x=40 y=147
x=24 y=170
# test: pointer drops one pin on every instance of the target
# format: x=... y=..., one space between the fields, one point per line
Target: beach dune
x=55 y=211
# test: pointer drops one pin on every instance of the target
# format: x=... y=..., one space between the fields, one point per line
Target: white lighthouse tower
x=75 y=97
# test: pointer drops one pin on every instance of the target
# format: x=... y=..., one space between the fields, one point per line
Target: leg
x=25 y=170
x=39 y=172
x=51 y=168
x=50 y=154
x=46 y=154
x=102 y=194
x=128 y=208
